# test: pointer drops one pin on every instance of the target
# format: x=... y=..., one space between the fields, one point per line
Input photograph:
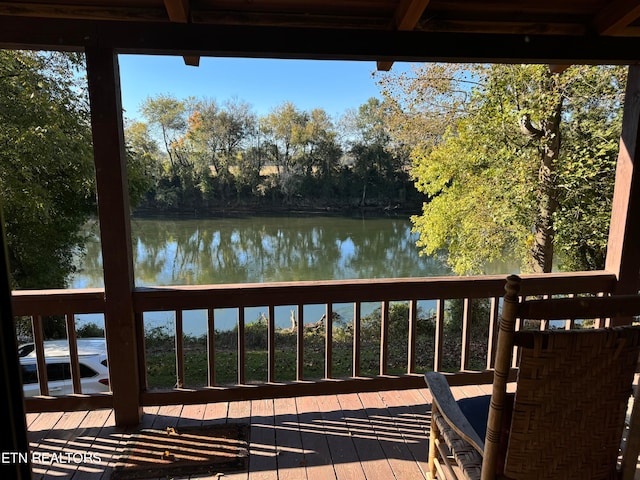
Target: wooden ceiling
x=549 y=31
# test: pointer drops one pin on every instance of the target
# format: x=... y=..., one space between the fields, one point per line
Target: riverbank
x=245 y=209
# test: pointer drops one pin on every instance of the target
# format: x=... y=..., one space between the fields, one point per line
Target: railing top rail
x=50 y=302
x=369 y=290
x=57 y=302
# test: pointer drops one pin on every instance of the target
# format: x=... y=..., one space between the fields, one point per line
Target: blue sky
x=263 y=83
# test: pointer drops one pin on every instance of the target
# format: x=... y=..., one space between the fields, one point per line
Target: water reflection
x=267 y=249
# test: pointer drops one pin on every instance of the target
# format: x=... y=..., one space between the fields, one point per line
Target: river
x=264 y=249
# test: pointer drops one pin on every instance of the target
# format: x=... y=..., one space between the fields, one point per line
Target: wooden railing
x=67 y=304
x=210 y=299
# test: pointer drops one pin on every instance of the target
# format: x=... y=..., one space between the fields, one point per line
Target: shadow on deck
x=374 y=435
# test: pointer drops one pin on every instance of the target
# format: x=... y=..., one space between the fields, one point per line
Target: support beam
x=115 y=231
x=406 y=18
x=623 y=251
x=616 y=16
x=12 y=420
x=314 y=43
x=178 y=11
x=192 y=60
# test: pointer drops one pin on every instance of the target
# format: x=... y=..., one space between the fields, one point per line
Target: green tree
x=504 y=170
x=143 y=162
x=218 y=134
x=183 y=177
x=46 y=165
x=284 y=130
x=168 y=114
x=378 y=161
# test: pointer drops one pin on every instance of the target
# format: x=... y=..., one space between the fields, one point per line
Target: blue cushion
x=476 y=409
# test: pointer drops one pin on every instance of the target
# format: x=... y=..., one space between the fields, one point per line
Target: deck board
x=290 y=451
x=372 y=457
x=314 y=440
x=368 y=435
x=263 y=464
x=393 y=443
x=350 y=436
x=407 y=416
x=341 y=446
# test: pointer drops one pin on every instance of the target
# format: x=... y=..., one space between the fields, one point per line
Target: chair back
x=571 y=400
x=572 y=392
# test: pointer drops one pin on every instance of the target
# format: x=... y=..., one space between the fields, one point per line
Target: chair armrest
x=446 y=404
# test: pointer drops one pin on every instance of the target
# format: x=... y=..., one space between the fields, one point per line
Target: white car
x=92 y=358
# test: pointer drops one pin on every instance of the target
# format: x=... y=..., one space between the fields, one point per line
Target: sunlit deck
x=370 y=435
x=348 y=436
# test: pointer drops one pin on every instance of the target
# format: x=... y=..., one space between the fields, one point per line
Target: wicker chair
x=566 y=419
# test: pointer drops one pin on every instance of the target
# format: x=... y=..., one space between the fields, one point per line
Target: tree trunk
x=542 y=249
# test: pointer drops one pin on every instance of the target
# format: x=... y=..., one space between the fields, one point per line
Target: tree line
x=200 y=155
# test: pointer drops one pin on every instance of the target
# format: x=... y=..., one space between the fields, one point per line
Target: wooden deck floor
x=378 y=435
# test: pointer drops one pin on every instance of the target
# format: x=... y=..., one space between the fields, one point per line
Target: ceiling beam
x=165 y=38
x=558 y=68
x=406 y=18
x=24 y=9
x=408 y=13
x=192 y=60
x=616 y=16
x=178 y=11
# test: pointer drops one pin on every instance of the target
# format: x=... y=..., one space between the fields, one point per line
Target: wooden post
x=14 y=426
x=115 y=231
x=623 y=255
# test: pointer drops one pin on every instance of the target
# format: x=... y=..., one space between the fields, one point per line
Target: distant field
x=264 y=171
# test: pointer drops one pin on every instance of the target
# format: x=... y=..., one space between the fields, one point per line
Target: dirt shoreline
x=255 y=210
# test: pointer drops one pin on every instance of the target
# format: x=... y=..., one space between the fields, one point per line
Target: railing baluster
x=38 y=341
x=142 y=352
x=179 y=350
x=544 y=324
x=211 y=347
x=357 y=324
x=518 y=327
x=492 y=336
x=466 y=333
x=600 y=322
x=241 y=347
x=74 y=365
x=300 y=344
x=384 y=338
x=271 y=345
x=328 y=347
x=570 y=323
x=413 y=332
x=439 y=337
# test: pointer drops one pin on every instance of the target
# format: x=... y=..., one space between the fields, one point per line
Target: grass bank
x=160 y=348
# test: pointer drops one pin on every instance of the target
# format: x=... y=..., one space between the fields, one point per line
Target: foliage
x=378 y=163
x=89 y=330
x=46 y=168
x=142 y=162
x=512 y=160
x=587 y=171
x=160 y=353
x=199 y=154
